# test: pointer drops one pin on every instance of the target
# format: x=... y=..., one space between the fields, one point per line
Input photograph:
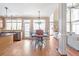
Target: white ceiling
x=29 y=9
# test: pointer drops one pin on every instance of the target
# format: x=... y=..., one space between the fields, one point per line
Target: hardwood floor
x=27 y=48
x=71 y=51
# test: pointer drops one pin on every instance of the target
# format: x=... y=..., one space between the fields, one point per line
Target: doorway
x=26 y=28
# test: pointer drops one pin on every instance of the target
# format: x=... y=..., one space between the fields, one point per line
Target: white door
x=26 y=28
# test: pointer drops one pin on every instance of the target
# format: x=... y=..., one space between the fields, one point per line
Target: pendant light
x=39 y=19
x=6 y=8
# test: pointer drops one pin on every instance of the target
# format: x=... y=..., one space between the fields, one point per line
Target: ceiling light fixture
x=6 y=8
x=39 y=19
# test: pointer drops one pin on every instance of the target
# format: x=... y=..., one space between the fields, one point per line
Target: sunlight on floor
x=27 y=44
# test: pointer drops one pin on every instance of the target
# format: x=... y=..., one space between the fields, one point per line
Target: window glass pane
x=36 y=25
x=27 y=27
x=68 y=15
x=19 y=26
x=70 y=4
x=42 y=26
x=77 y=28
x=27 y=21
x=36 y=21
x=8 y=26
x=13 y=20
x=19 y=21
x=41 y=21
x=13 y=26
x=68 y=20
x=8 y=20
x=75 y=13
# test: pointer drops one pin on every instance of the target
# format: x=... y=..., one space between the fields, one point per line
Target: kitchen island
x=5 y=41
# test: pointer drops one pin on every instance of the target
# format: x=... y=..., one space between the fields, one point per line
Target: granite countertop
x=6 y=34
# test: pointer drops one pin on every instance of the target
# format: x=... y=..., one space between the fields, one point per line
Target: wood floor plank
x=27 y=48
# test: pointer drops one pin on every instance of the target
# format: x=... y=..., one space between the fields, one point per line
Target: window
x=8 y=26
x=75 y=14
x=14 y=24
x=36 y=25
x=19 y=26
x=77 y=28
x=74 y=20
x=1 y=23
x=68 y=20
x=68 y=27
